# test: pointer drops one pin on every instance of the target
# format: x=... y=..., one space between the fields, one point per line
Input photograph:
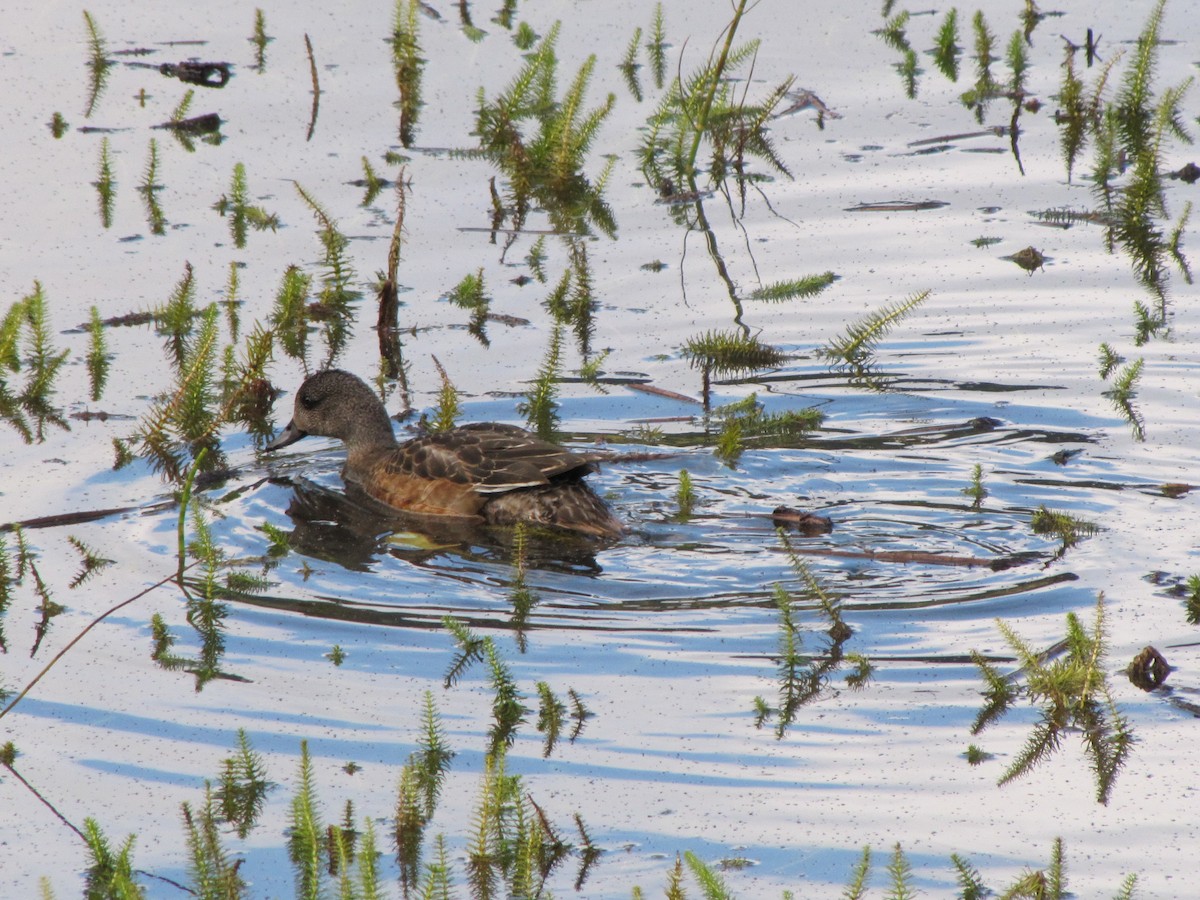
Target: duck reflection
x=353 y=530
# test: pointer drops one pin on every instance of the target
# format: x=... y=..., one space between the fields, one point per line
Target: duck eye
x=309 y=401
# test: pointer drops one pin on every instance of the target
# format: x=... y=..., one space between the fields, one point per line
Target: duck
x=490 y=473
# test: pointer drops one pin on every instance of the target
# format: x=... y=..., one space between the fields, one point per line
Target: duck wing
x=490 y=457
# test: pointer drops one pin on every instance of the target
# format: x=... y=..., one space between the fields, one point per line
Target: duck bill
x=286 y=437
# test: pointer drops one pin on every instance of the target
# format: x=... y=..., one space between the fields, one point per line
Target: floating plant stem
x=552 y=715
x=1122 y=392
x=1072 y=689
x=629 y=66
x=975 y=490
x=243 y=786
x=90 y=562
x=728 y=354
x=260 y=39
x=1018 y=63
x=449 y=406
x=685 y=496
x=307 y=832
x=316 y=87
x=106 y=185
x=795 y=288
x=540 y=407
x=855 y=350
x=1109 y=360
x=408 y=66
x=656 y=47
x=946 y=50
x=98 y=63
x=149 y=189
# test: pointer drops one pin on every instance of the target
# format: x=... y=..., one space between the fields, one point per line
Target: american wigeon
x=499 y=474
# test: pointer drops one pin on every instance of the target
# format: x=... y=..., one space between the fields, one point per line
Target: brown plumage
x=499 y=474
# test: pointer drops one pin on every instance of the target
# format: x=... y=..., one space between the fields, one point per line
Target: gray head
x=337 y=404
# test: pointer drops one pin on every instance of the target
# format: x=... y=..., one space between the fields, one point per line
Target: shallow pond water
x=669 y=634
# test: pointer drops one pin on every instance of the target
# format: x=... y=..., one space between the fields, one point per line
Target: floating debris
x=1028 y=259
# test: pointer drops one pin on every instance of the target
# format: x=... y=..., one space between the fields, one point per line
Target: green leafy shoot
x=855 y=350
x=946 y=49
x=794 y=289
x=1071 y=688
x=97 y=358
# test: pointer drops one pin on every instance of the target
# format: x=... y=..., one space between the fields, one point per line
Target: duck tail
x=566 y=504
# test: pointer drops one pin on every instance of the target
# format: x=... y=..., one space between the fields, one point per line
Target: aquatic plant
x=855 y=350
x=709 y=108
x=110 y=873
x=471 y=294
x=1072 y=691
x=946 y=49
x=260 y=39
x=975 y=490
x=522 y=598
x=628 y=65
x=1122 y=392
x=728 y=354
x=408 y=66
x=242 y=213
x=25 y=342
x=540 y=407
x=242 y=787
x=306 y=831
x=149 y=189
x=333 y=308
x=98 y=63
x=1067 y=528
x=685 y=496
x=539 y=143
x=449 y=405
x=106 y=185
x=985 y=88
x=210 y=866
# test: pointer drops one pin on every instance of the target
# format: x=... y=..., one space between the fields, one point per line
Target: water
x=669 y=634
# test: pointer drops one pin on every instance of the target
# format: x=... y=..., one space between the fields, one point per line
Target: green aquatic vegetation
x=449 y=403
x=985 y=88
x=728 y=354
x=1017 y=57
x=1073 y=113
x=1191 y=601
x=1067 y=528
x=729 y=445
x=98 y=63
x=945 y=45
x=552 y=715
x=539 y=143
x=408 y=66
x=409 y=828
x=629 y=65
x=210 y=865
x=1070 y=685
x=25 y=343
x=540 y=406
x=336 y=655
x=685 y=496
x=803 y=678
x=893 y=31
x=796 y=288
x=909 y=72
x=432 y=756
x=306 y=831
x=373 y=183
x=290 y=316
x=579 y=714
x=536 y=259
x=106 y=185
x=242 y=213
x=572 y=302
x=522 y=598
x=90 y=562
x=471 y=294
x=333 y=307
x=98 y=356
x=711 y=106
x=524 y=37
x=1122 y=392
x=1109 y=360
x=260 y=39
x=975 y=490
x=855 y=350
x=656 y=47
x=149 y=189
x=242 y=787
x=110 y=872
